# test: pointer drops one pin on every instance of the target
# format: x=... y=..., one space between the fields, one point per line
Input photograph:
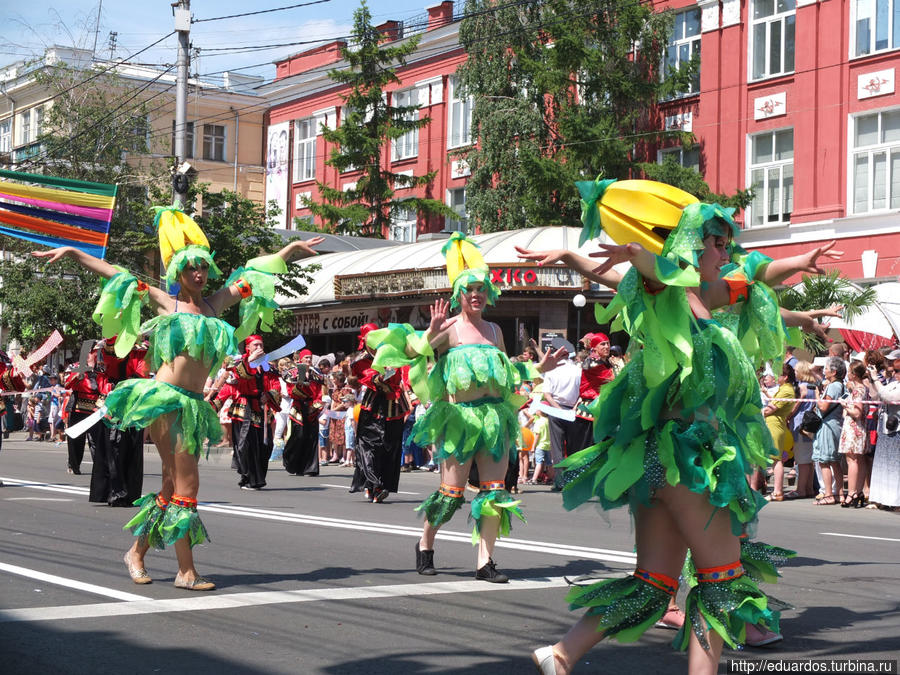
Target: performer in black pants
x=87 y=387
x=301 y=450
x=117 y=475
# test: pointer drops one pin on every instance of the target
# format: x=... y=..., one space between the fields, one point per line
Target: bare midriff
x=185 y=372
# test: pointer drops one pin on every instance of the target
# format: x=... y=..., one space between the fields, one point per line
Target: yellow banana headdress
x=181 y=241
x=641 y=211
x=465 y=265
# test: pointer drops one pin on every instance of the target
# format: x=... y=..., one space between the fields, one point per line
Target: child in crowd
x=540 y=427
x=31 y=418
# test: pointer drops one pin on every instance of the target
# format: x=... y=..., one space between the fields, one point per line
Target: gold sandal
x=138 y=574
x=196 y=584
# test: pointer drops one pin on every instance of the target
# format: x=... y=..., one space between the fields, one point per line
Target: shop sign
x=338 y=321
x=406 y=282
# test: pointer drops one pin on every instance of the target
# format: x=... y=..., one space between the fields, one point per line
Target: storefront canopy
x=498 y=249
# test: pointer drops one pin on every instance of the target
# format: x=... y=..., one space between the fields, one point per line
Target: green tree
x=690 y=180
x=370 y=123
x=560 y=93
x=823 y=291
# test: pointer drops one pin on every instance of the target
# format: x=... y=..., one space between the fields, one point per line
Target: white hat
x=857 y=356
x=894 y=355
x=821 y=361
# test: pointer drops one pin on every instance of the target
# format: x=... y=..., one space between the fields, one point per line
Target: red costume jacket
x=382 y=396
x=306 y=394
x=10 y=381
x=593 y=377
x=133 y=365
x=88 y=391
x=250 y=387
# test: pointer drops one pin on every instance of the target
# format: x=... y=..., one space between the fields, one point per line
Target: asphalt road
x=313 y=580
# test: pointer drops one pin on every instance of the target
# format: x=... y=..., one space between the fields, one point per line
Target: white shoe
x=544 y=660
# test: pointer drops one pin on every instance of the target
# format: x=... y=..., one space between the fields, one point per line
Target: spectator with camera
x=826 y=445
x=885 y=482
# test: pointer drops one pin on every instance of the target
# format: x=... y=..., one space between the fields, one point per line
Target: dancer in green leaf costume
x=187 y=343
x=681 y=427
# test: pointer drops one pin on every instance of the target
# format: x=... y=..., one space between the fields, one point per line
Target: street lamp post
x=579 y=301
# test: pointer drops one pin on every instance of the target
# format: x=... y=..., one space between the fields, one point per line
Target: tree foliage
x=370 y=122
x=97 y=130
x=690 y=180
x=825 y=291
x=562 y=92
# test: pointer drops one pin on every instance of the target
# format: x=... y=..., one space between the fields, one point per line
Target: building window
x=684 y=45
x=139 y=134
x=460 y=117
x=403 y=225
x=875 y=163
x=772 y=177
x=214 y=142
x=876 y=26
x=6 y=135
x=38 y=121
x=188 y=140
x=456 y=200
x=772 y=38
x=304 y=149
x=26 y=127
x=689 y=158
x=408 y=144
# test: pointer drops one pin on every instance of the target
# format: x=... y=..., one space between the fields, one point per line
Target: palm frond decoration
x=823 y=291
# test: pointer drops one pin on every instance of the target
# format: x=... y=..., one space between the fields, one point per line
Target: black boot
x=425 y=562
x=490 y=574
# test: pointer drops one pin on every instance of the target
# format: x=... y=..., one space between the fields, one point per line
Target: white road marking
x=552 y=548
x=37 y=499
x=857 y=536
x=239 y=600
x=347 y=487
x=69 y=583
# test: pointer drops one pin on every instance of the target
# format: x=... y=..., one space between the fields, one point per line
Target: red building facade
x=795 y=98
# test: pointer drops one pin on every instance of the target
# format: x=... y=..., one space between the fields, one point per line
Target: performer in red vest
x=253 y=390
x=117 y=475
x=301 y=454
x=379 y=429
x=10 y=381
x=89 y=387
x=596 y=371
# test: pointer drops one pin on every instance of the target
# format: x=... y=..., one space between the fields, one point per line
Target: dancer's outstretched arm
x=779 y=270
x=578 y=263
x=158 y=297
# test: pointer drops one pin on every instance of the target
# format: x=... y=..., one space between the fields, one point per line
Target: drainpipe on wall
x=237 y=128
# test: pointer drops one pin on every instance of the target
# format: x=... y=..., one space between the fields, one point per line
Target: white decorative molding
x=773 y=105
x=709 y=15
x=459 y=168
x=869 y=261
x=731 y=12
x=298 y=199
x=431 y=91
x=680 y=122
x=879 y=83
x=326 y=116
x=804 y=3
x=348 y=186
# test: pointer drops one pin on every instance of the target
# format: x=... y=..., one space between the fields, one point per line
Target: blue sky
x=28 y=27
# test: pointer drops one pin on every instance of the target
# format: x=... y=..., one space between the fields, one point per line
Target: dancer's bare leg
x=452 y=473
x=660 y=548
x=135 y=555
x=187 y=483
x=489 y=470
x=712 y=544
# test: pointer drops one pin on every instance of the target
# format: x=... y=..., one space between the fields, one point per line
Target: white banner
x=277 y=159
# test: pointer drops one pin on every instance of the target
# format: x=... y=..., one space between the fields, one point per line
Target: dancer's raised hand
x=551 y=359
x=614 y=255
x=439 y=311
x=54 y=254
x=809 y=262
x=544 y=257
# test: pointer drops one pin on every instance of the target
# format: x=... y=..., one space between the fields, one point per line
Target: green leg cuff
x=497 y=504
x=145 y=524
x=761 y=561
x=438 y=508
x=180 y=522
x=626 y=607
x=725 y=607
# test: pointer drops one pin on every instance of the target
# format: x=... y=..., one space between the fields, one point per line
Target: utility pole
x=182 y=12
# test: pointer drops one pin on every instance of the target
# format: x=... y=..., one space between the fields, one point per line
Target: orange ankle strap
x=661 y=581
x=452 y=491
x=185 y=502
x=492 y=485
x=720 y=573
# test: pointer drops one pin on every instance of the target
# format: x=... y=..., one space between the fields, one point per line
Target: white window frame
x=215 y=142
x=459 y=116
x=679 y=153
x=25 y=133
x=407 y=145
x=188 y=139
x=460 y=224
x=406 y=229
x=869 y=8
x=782 y=19
x=677 y=43
x=886 y=148
x=6 y=135
x=762 y=198
x=305 y=132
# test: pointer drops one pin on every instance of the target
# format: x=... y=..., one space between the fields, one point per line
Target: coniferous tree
x=369 y=123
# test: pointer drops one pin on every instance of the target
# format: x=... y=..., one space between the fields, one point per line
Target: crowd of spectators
x=835 y=422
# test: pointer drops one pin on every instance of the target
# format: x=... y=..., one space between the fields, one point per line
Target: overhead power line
x=262 y=11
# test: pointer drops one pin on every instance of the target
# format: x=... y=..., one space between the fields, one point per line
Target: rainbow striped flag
x=56 y=211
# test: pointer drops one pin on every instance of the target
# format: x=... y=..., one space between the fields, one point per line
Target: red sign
x=513 y=275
